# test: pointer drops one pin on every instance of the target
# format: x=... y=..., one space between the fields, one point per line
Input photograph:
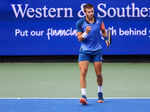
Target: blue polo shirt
x=93 y=42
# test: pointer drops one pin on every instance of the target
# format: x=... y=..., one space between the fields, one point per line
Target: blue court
x=72 y=105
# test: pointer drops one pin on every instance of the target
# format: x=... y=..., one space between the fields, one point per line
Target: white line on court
x=18 y=98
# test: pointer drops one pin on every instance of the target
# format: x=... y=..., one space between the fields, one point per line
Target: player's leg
x=97 y=60
x=98 y=70
x=83 y=65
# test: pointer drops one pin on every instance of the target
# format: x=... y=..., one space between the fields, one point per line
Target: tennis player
x=89 y=30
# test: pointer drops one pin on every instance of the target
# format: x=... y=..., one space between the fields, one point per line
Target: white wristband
x=84 y=35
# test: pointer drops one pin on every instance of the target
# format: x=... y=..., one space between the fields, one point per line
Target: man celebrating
x=89 y=30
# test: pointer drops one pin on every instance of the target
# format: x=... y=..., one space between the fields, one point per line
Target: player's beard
x=90 y=17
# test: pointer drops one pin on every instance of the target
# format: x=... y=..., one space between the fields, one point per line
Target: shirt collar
x=88 y=22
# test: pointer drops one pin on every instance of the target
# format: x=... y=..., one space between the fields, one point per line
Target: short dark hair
x=87 y=6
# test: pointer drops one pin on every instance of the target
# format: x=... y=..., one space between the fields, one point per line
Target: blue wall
x=129 y=22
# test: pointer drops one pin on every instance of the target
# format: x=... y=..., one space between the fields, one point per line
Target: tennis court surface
x=55 y=87
x=72 y=105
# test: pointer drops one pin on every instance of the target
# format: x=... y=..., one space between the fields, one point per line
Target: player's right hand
x=88 y=29
x=79 y=35
x=80 y=38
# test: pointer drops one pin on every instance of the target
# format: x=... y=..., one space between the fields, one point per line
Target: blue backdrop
x=47 y=27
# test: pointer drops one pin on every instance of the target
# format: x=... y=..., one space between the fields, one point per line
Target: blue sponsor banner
x=47 y=27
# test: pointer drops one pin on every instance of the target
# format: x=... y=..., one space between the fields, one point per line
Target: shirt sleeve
x=79 y=26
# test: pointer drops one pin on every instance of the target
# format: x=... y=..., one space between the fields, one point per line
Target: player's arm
x=83 y=35
x=79 y=35
x=103 y=30
x=105 y=34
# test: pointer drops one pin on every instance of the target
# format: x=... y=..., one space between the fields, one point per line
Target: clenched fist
x=88 y=29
